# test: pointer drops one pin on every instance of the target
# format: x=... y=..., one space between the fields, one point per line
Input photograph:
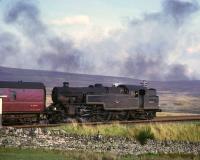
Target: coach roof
x=20 y=84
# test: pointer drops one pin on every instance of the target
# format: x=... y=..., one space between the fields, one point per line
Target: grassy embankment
x=36 y=154
x=163 y=114
x=169 y=131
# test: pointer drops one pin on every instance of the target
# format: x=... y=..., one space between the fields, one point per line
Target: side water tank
x=152 y=92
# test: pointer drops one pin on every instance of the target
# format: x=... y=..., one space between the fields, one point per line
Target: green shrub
x=144 y=135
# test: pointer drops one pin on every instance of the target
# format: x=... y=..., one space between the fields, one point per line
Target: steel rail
x=164 y=119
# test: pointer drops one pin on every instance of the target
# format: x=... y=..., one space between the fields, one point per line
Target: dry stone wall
x=59 y=139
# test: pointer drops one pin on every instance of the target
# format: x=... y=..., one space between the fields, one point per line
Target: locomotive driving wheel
x=149 y=115
x=122 y=116
x=103 y=117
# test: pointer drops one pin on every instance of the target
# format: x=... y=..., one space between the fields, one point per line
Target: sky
x=153 y=40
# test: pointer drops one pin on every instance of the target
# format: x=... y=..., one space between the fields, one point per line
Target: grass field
x=180 y=102
x=33 y=154
x=169 y=131
x=163 y=114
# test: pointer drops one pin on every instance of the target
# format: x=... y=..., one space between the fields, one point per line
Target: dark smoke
x=8 y=46
x=179 y=11
x=68 y=59
x=49 y=49
x=177 y=72
x=27 y=16
x=173 y=11
x=141 y=66
x=156 y=40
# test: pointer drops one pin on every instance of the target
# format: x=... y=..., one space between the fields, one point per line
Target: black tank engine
x=100 y=103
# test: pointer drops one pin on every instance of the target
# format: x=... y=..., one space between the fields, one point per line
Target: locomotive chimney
x=65 y=84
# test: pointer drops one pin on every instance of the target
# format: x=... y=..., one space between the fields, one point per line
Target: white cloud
x=193 y=49
x=73 y=20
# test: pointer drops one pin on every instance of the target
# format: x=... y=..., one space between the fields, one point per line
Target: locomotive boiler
x=102 y=103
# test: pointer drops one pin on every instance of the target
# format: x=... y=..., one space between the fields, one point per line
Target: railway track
x=163 y=119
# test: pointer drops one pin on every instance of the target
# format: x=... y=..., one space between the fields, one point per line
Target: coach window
x=13 y=95
x=1 y=91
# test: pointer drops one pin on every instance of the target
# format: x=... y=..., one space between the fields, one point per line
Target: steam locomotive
x=100 y=103
x=25 y=102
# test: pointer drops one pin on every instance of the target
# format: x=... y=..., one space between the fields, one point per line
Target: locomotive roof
x=20 y=84
x=131 y=87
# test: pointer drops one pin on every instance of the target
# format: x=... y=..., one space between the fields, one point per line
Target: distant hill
x=52 y=78
x=177 y=96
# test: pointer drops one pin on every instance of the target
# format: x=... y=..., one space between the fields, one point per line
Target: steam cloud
x=48 y=49
x=142 y=50
x=157 y=38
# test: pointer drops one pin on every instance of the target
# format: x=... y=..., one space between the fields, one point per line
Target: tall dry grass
x=170 y=131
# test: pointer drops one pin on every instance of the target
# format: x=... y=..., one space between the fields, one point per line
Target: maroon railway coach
x=25 y=101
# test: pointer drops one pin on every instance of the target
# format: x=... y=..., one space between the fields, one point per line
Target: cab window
x=142 y=92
